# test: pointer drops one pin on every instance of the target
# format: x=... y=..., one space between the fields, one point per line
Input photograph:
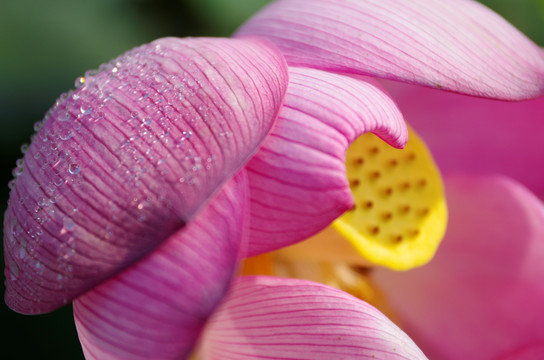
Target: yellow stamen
x=258 y=265
x=400 y=214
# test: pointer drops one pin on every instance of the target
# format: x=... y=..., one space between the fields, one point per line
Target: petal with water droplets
x=127 y=159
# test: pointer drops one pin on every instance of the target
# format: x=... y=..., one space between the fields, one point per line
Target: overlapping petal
x=127 y=159
x=274 y=318
x=157 y=308
x=481 y=296
x=466 y=134
x=457 y=45
x=298 y=178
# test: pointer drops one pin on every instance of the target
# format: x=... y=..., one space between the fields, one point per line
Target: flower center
x=355 y=280
x=400 y=211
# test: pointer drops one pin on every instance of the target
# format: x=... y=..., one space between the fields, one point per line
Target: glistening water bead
x=73 y=169
x=86 y=109
x=68 y=224
x=79 y=81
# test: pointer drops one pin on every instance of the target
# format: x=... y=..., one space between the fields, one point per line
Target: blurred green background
x=45 y=45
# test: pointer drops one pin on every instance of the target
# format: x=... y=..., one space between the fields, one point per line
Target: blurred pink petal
x=274 y=318
x=479 y=136
x=127 y=159
x=157 y=308
x=481 y=296
x=528 y=352
x=456 y=45
x=298 y=178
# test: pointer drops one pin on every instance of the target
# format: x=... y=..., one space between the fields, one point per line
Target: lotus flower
x=138 y=192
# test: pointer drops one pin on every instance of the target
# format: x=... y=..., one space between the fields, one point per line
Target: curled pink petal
x=457 y=45
x=157 y=308
x=298 y=178
x=127 y=159
x=481 y=296
x=467 y=134
x=274 y=318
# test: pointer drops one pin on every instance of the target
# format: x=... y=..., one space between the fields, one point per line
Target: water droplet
x=73 y=169
x=13 y=271
x=79 y=81
x=11 y=184
x=76 y=126
x=24 y=148
x=68 y=224
x=65 y=117
x=109 y=233
x=86 y=109
x=76 y=147
x=15 y=228
x=22 y=252
x=96 y=116
x=38 y=125
x=17 y=171
x=65 y=134
x=68 y=253
x=63 y=97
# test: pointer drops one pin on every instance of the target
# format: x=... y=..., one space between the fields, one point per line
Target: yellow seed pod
x=400 y=212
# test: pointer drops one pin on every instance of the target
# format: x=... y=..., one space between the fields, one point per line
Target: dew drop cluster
x=137 y=125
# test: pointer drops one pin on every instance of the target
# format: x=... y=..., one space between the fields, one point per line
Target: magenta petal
x=481 y=296
x=298 y=178
x=128 y=158
x=274 y=318
x=456 y=45
x=156 y=308
x=467 y=134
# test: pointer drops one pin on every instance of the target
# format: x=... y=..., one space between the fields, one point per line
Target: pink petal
x=127 y=159
x=457 y=45
x=528 y=352
x=274 y=318
x=467 y=134
x=481 y=296
x=156 y=308
x=298 y=178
